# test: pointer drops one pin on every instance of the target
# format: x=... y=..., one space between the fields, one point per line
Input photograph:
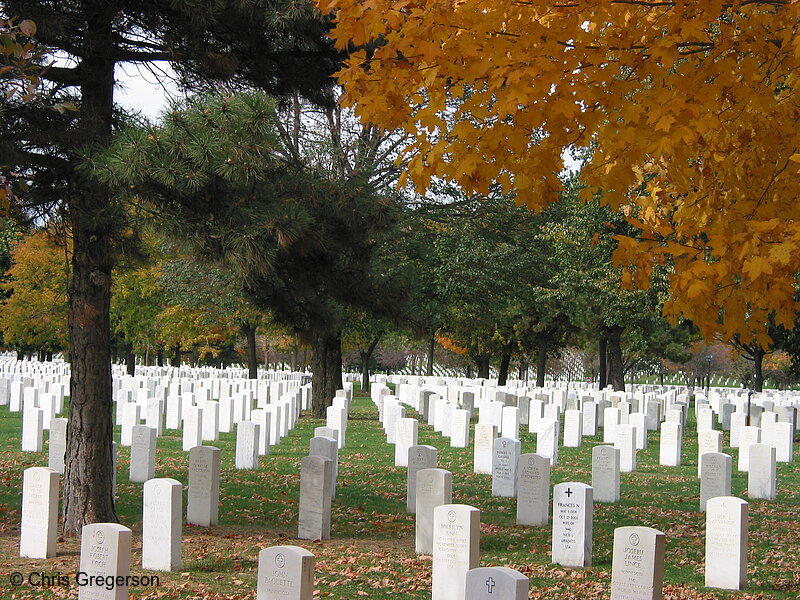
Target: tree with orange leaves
x=690 y=109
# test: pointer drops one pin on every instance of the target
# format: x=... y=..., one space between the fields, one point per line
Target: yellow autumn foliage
x=691 y=106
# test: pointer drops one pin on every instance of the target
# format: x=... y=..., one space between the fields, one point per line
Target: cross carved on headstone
x=490 y=585
x=569 y=492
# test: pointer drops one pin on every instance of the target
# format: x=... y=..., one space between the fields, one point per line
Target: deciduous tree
x=691 y=110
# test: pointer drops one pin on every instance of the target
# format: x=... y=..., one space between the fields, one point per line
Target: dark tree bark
x=603 y=375
x=524 y=363
x=160 y=355
x=130 y=362
x=616 y=367
x=431 y=346
x=758 y=354
x=482 y=364
x=98 y=34
x=541 y=363
x=175 y=361
x=326 y=369
x=252 y=358
x=366 y=356
x=505 y=362
x=88 y=476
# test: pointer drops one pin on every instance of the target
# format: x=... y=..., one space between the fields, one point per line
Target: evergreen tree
x=303 y=243
x=278 y=46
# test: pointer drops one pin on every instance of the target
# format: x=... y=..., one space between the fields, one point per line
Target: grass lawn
x=371 y=553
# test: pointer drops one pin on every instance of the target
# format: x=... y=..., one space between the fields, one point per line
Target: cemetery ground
x=371 y=553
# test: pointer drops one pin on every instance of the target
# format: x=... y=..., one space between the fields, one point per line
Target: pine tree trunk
x=431 y=346
x=364 y=372
x=88 y=477
x=505 y=362
x=130 y=363
x=176 y=356
x=541 y=363
x=366 y=356
x=616 y=367
x=252 y=357
x=603 y=349
x=482 y=364
x=326 y=369
x=160 y=355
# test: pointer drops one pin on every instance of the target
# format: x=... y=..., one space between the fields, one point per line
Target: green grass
x=371 y=553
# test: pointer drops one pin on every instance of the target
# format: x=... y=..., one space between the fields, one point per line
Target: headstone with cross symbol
x=572 y=524
x=496 y=583
x=727 y=530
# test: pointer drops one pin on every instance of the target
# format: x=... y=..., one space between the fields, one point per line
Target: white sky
x=140 y=90
x=150 y=93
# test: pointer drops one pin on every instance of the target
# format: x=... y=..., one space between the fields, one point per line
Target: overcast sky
x=141 y=90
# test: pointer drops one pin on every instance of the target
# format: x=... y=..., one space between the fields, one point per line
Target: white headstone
x=143 y=453
x=747 y=435
x=761 y=474
x=39 y=519
x=670 y=445
x=57 y=445
x=419 y=457
x=162 y=518
x=496 y=583
x=314 y=518
x=405 y=436
x=484 y=448
x=708 y=440
x=611 y=418
x=456 y=548
x=327 y=447
x=572 y=524
x=210 y=421
x=434 y=488
x=285 y=573
x=459 y=435
x=715 y=476
x=337 y=419
x=202 y=507
x=533 y=490
x=105 y=552
x=626 y=443
x=727 y=528
x=192 y=428
x=32 y=420
x=605 y=473
x=131 y=415
x=504 y=467
x=510 y=425
x=547 y=439
x=637 y=571
x=573 y=428
x=589 y=415
x=248 y=434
